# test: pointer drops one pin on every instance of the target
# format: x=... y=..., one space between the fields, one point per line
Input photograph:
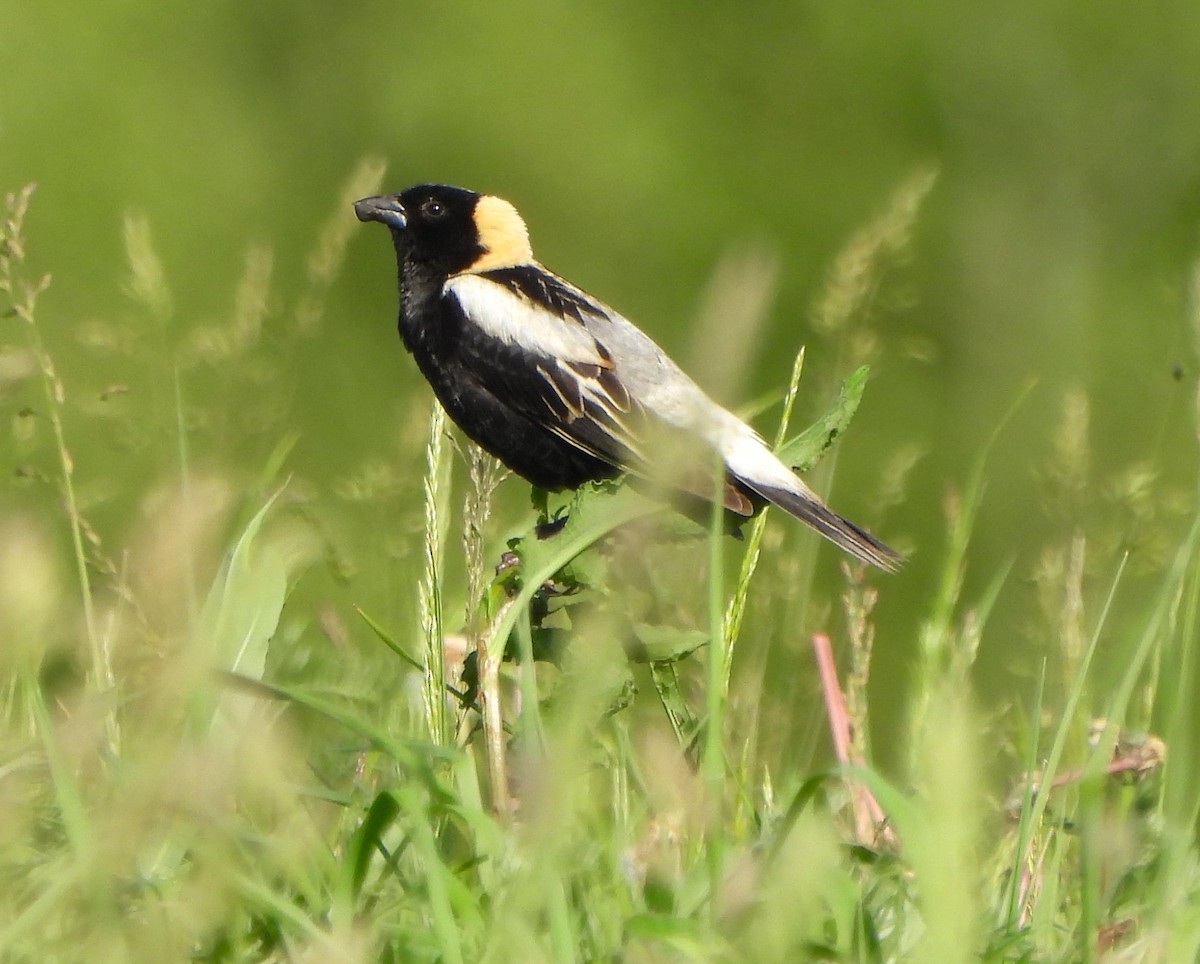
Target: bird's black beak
x=386 y=208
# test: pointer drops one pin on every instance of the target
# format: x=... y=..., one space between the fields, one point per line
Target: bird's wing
x=528 y=345
x=585 y=373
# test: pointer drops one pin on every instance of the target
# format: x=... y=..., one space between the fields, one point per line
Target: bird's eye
x=433 y=208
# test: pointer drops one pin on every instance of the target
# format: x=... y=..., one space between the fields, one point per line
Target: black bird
x=556 y=384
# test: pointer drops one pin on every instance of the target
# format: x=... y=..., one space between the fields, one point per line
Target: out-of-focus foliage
x=213 y=449
x=643 y=142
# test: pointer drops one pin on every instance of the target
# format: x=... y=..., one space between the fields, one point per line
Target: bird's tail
x=806 y=507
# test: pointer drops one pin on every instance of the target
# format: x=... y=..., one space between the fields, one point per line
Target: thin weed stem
x=430 y=592
x=489 y=649
x=485 y=473
x=736 y=612
x=23 y=296
x=713 y=759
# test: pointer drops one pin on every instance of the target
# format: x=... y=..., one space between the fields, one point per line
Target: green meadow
x=285 y=674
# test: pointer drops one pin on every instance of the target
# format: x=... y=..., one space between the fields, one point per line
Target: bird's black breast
x=493 y=392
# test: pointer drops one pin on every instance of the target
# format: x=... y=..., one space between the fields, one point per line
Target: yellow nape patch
x=502 y=234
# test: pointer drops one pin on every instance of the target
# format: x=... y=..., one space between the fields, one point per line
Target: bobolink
x=556 y=384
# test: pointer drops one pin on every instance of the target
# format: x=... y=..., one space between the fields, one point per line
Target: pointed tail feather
x=841 y=532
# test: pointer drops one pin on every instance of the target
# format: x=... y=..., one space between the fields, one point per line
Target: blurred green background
x=643 y=142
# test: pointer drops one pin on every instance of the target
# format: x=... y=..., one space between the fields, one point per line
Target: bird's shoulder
x=528 y=307
x=543 y=289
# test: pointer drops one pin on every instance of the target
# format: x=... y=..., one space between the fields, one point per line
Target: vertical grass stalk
x=430 y=593
x=489 y=649
x=741 y=593
x=485 y=473
x=713 y=758
x=22 y=297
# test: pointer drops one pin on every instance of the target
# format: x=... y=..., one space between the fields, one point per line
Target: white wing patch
x=512 y=320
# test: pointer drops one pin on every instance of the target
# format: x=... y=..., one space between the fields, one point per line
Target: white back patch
x=505 y=316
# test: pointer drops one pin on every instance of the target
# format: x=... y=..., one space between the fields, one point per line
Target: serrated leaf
x=805 y=450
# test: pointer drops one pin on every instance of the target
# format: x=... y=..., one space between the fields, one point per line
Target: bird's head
x=450 y=229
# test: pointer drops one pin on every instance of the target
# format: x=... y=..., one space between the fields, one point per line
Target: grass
x=186 y=774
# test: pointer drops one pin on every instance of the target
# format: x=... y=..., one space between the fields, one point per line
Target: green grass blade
x=366 y=842
x=440 y=908
x=386 y=638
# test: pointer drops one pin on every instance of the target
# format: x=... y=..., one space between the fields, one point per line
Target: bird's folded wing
x=523 y=339
x=539 y=344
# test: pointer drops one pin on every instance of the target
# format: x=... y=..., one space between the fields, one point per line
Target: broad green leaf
x=242 y=609
x=805 y=450
x=239 y=618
